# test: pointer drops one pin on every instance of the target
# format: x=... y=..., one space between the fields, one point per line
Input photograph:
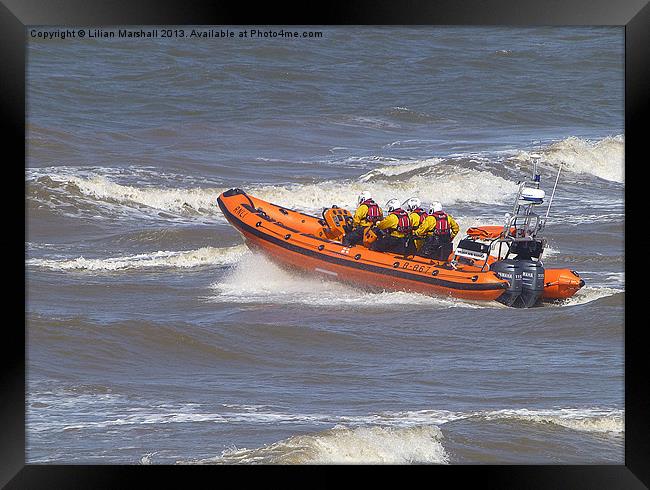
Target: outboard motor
x=532 y=283
x=524 y=272
x=510 y=270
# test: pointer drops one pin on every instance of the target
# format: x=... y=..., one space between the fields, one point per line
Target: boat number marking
x=405 y=265
x=416 y=267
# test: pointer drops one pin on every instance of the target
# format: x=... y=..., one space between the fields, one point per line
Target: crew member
x=367 y=214
x=441 y=229
x=420 y=221
x=396 y=228
x=417 y=215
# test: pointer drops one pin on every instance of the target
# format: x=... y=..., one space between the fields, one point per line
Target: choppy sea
x=154 y=335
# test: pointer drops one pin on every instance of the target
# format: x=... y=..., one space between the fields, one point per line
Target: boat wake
x=587 y=294
x=242 y=285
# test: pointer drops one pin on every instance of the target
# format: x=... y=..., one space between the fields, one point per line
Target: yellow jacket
x=360 y=214
x=419 y=229
x=415 y=222
x=390 y=222
x=452 y=223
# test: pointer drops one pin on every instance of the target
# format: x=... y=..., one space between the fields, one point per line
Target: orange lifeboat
x=313 y=245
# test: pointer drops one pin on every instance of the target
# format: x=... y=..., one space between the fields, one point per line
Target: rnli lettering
x=239 y=211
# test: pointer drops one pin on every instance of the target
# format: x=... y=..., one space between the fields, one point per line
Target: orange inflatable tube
x=561 y=283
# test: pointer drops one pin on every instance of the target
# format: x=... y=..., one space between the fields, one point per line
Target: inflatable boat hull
x=299 y=241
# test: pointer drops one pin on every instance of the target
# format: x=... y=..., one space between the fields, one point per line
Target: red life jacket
x=404 y=223
x=374 y=211
x=442 y=223
x=421 y=213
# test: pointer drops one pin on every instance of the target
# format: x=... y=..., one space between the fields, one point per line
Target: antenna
x=553 y=194
x=535 y=157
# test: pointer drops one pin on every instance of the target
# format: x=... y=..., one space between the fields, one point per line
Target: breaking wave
x=98 y=191
x=241 y=284
x=206 y=256
x=583 y=420
x=408 y=437
x=602 y=158
x=62 y=190
x=391 y=437
x=399 y=169
x=347 y=445
x=389 y=181
x=134 y=192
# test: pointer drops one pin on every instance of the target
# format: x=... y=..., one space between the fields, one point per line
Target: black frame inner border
x=17 y=15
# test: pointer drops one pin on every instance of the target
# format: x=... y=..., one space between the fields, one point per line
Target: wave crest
x=583 y=420
x=603 y=158
x=162 y=259
x=94 y=193
x=181 y=201
x=449 y=187
x=344 y=445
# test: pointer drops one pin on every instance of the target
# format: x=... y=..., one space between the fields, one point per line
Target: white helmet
x=412 y=204
x=435 y=207
x=392 y=205
x=364 y=196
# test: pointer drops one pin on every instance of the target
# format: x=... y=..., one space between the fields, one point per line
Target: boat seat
x=337 y=219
